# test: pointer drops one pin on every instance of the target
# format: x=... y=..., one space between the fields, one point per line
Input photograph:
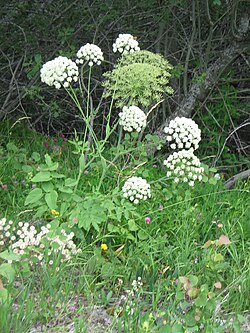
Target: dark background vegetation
x=206 y=40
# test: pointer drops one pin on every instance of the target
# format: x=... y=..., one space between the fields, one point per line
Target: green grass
x=171 y=246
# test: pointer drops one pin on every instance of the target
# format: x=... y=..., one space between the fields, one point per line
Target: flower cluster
x=132 y=118
x=60 y=72
x=184 y=166
x=125 y=43
x=90 y=53
x=6 y=232
x=135 y=189
x=183 y=133
x=32 y=244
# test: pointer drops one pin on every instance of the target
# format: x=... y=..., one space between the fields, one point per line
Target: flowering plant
x=183 y=133
x=59 y=72
x=184 y=166
x=136 y=189
x=125 y=43
x=132 y=118
x=90 y=53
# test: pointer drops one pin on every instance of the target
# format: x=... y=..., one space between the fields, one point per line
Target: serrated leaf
x=51 y=199
x=34 y=196
x=42 y=176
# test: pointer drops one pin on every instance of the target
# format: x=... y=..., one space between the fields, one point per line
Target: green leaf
x=165 y=329
x=27 y=168
x=42 y=176
x=57 y=175
x=48 y=160
x=7 y=271
x=177 y=328
x=35 y=195
x=193 y=279
x=201 y=300
x=51 y=199
x=142 y=235
x=70 y=182
x=47 y=187
x=132 y=225
x=40 y=211
x=6 y=255
x=3 y=295
x=36 y=156
x=65 y=189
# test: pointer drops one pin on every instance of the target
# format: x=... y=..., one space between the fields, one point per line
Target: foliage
x=139 y=78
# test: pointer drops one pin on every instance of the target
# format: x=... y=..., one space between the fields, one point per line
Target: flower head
x=147 y=219
x=135 y=189
x=184 y=166
x=60 y=72
x=90 y=53
x=104 y=247
x=183 y=133
x=55 y=212
x=132 y=118
x=125 y=43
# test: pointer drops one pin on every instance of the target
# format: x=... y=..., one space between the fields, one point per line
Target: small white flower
x=90 y=53
x=183 y=133
x=140 y=188
x=125 y=43
x=132 y=118
x=185 y=166
x=59 y=72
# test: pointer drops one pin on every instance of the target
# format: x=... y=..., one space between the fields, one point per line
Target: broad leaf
x=35 y=195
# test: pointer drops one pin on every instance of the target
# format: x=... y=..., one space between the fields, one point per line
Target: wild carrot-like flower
x=132 y=118
x=135 y=189
x=60 y=72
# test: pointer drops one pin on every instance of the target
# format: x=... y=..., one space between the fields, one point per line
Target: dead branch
x=240 y=176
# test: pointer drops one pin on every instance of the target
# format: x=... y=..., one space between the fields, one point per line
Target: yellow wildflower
x=55 y=212
x=104 y=247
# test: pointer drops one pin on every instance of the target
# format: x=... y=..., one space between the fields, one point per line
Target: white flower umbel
x=184 y=166
x=60 y=72
x=136 y=189
x=132 y=118
x=90 y=53
x=183 y=133
x=125 y=43
x=30 y=243
x=6 y=232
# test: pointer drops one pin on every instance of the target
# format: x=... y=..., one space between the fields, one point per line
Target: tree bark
x=199 y=91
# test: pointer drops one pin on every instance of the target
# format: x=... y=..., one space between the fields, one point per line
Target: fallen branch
x=240 y=176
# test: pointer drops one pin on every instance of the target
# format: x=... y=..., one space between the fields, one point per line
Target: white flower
x=139 y=187
x=90 y=53
x=59 y=72
x=125 y=43
x=179 y=165
x=132 y=118
x=183 y=133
